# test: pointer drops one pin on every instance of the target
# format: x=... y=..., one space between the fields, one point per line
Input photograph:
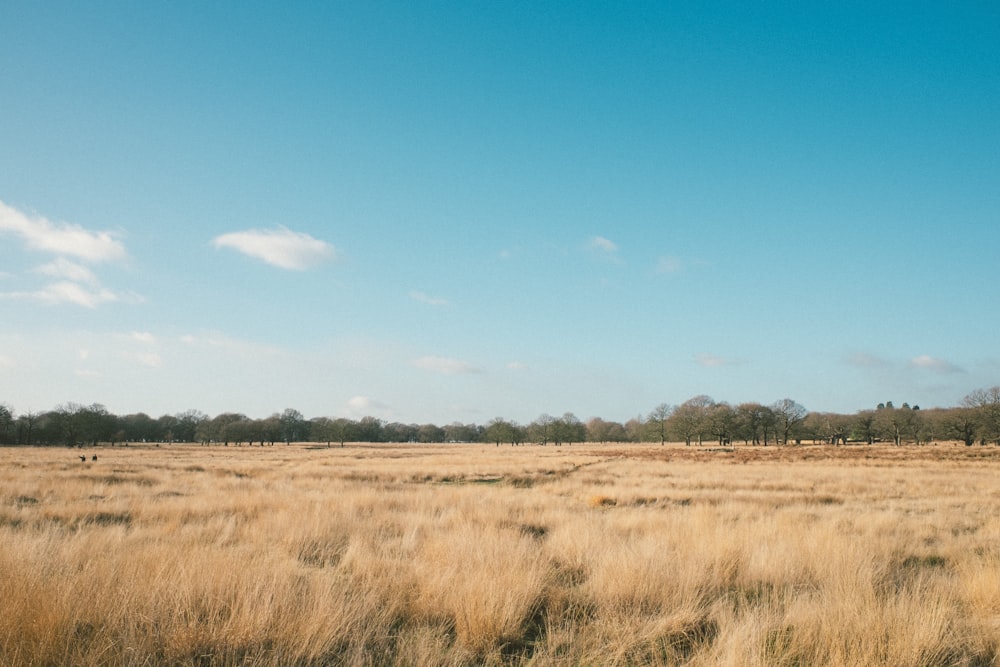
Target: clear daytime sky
x=453 y=211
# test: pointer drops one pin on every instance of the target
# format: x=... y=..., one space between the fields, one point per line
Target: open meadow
x=475 y=554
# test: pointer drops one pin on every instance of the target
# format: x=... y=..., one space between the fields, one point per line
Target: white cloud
x=601 y=243
x=445 y=366
x=66 y=292
x=6 y=362
x=364 y=406
x=280 y=247
x=517 y=365
x=67 y=270
x=73 y=283
x=60 y=238
x=429 y=300
x=143 y=337
x=927 y=362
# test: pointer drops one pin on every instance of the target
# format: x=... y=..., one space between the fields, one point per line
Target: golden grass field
x=473 y=554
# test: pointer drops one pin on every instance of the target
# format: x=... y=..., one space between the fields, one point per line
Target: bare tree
x=986 y=403
x=788 y=414
x=657 y=421
x=721 y=421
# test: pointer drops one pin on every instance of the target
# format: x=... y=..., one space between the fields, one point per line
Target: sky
x=455 y=211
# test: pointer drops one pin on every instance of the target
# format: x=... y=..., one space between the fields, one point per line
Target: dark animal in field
x=94 y=458
x=83 y=458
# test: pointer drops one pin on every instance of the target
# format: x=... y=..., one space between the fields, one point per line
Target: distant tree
x=294 y=427
x=721 y=421
x=864 y=426
x=789 y=414
x=369 y=429
x=959 y=424
x=321 y=429
x=599 y=430
x=26 y=427
x=399 y=432
x=635 y=429
x=568 y=429
x=343 y=430
x=753 y=422
x=541 y=430
x=690 y=419
x=165 y=430
x=139 y=427
x=897 y=424
x=48 y=428
x=911 y=423
x=828 y=427
x=658 y=420
x=986 y=404
x=457 y=432
x=499 y=431
x=187 y=424
x=66 y=418
x=219 y=429
x=6 y=424
x=258 y=430
x=428 y=433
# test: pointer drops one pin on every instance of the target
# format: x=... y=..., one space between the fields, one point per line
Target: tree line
x=697 y=421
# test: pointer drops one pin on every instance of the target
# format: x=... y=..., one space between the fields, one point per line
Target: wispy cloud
x=601 y=243
x=706 y=360
x=445 y=366
x=940 y=366
x=429 y=300
x=517 y=366
x=280 y=247
x=74 y=283
x=63 y=268
x=866 y=360
x=221 y=342
x=669 y=264
x=66 y=292
x=604 y=248
x=60 y=238
x=151 y=359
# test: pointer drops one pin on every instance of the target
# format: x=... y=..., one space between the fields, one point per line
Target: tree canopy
x=697 y=420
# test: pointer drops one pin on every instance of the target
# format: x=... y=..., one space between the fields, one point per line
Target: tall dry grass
x=467 y=555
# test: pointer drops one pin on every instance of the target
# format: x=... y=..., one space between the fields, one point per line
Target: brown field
x=472 y=554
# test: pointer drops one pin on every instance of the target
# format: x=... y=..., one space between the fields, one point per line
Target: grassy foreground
x=471 y=554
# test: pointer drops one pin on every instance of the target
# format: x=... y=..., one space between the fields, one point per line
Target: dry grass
x=468 y=554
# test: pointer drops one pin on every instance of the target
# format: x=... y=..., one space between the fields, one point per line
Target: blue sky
x=437 y=212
